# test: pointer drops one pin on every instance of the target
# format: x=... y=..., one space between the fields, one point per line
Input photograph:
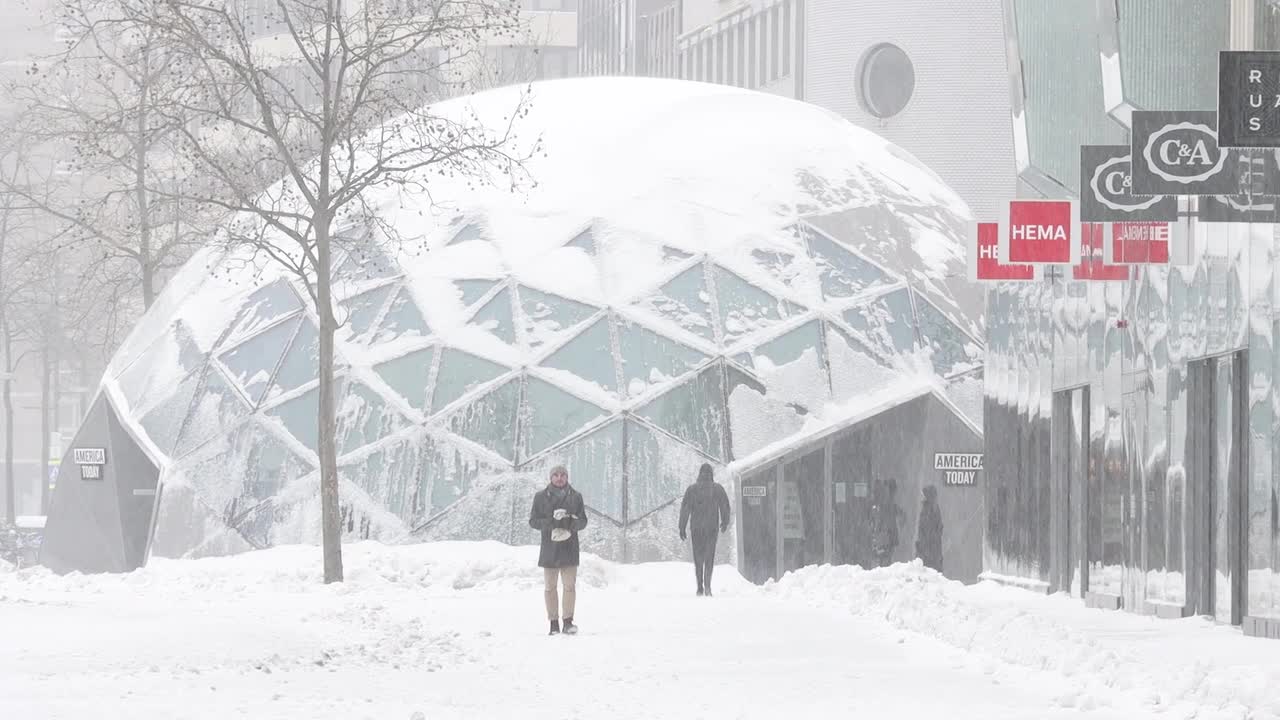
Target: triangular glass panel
x=885 y=324
x=403 y=319
x=554 y=414
x=265 y=306
x=659 y=469
x=467 y=233
x=743 y=359
x=792 y=345
x=459 y=373
x=163 y=421
x=363 y=417
x=952 y=351
x=393 y=476
x=364 y=263
x=490 y=420
x=252 y=362
x=693 y=411
x=670 y=254
x=595 y=468
x=650 y=359
x=301 y=362
x=362 y=310
x=843 y=273
x=780 y=265
x=745 y=308
x=495 y=317
x=151 y=377
x=248 y=467
x=585 y=240
x=217 y=405
x=547 y=315
x=300 y=415
x=472 y=290
x=588 y=356
x=408 y=376
x=686 y=301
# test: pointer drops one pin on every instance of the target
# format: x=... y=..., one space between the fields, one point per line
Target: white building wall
x=958 y=120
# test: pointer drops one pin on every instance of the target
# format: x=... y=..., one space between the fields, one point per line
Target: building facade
x=1145 y=463
x=934 y=86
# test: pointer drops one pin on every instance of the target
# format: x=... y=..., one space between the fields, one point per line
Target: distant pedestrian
x=559 y=514
x=706 y=508
x=929 y=530
x=884 y=524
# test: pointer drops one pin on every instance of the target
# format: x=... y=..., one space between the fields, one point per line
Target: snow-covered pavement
x=455 y=630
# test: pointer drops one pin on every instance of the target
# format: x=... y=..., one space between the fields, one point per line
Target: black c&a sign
x=1106 y=179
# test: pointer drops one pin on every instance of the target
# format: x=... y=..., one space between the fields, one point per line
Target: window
x=886 y=80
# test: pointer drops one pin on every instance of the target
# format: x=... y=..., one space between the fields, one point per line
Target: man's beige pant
x=569 y=577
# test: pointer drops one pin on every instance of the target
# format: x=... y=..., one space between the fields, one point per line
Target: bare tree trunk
x=329 y=511
x=43 y=471
x=141 y=158
x=10 y=501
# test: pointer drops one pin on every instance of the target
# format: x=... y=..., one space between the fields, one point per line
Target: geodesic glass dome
x=702 y=274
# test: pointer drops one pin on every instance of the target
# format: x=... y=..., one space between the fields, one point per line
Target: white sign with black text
x=959 y=469
x=90 y=461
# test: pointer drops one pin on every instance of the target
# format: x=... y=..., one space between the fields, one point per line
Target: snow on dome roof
x=699 y=273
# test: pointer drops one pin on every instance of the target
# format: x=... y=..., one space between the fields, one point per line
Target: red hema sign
x=984 y=257
x=1139 y=242
x=1040 y=231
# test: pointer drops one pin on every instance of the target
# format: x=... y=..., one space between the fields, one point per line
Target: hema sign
x=1040 y=231
x=984 y=257
x=1106 y=179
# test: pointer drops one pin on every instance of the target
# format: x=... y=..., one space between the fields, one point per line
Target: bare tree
x=334 y=97
x=15 y=276
x=97 y=103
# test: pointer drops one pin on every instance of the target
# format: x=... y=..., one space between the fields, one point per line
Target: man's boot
x=555 y=627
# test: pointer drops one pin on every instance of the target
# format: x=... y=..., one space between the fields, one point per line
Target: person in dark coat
x=706 y=507
x=929 y=530
x=559 y=514
x=884 y=524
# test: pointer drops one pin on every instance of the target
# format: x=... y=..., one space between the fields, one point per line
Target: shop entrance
x=1217 y=422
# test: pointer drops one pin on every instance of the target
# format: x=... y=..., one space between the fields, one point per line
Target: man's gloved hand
x=559 y=513
x=683 y=537
x=724 y=528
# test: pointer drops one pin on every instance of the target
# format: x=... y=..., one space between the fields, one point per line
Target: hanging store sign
x=1249 y=98
x=1040 y=231
x=90 y=461
x=1105 y=182
x=1137 y=243
x=1239 y=209
x=754 y=494
x=958 y=469
x=1177 y=153
x=1093 y=264
x=984 y=257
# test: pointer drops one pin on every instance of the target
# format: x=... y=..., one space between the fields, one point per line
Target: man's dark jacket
x=545 y=502
x=706 y=504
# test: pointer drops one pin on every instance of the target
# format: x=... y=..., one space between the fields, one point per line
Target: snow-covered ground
x=456 y=630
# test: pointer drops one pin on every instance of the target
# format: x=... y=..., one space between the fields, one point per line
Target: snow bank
x=1178 y=667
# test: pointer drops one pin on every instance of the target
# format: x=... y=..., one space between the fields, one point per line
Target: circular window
x=886 y=80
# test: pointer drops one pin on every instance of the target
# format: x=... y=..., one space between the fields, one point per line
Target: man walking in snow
x=559 y=514
x=707 y=505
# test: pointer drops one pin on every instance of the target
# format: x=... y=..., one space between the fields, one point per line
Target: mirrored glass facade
x=1145 y=460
